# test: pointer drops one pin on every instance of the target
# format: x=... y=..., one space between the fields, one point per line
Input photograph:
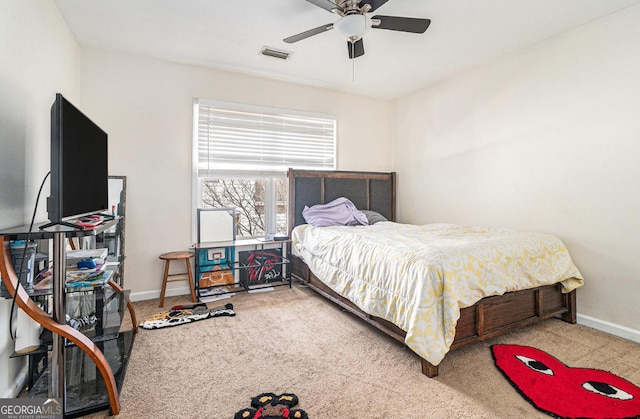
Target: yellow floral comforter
x=419 y=277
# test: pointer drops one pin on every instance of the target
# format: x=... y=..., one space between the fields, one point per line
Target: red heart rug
x=566 y=392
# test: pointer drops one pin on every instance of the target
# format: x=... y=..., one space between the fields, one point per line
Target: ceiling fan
x=354 y=22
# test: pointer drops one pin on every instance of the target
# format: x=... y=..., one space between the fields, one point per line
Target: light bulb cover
x=353 y=26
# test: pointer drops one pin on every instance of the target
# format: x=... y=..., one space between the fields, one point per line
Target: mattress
x=420 y=276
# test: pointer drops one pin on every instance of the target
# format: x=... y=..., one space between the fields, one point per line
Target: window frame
x=268 y=175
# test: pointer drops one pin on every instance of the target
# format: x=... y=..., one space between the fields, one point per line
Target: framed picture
x=260 y=266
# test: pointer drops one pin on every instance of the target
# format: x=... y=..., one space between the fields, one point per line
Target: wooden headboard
x=375 y=191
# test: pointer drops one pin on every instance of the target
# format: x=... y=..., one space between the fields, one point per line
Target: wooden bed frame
x=488 y=318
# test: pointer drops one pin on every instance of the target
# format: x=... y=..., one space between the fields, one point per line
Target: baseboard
x=150 y=295
x=611 y=328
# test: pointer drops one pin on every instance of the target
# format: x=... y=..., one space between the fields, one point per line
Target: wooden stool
x=168 y=257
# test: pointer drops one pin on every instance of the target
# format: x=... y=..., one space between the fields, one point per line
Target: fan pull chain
x=353 y=71
x=353 y=63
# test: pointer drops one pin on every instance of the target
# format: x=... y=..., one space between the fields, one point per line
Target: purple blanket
x=340 y=211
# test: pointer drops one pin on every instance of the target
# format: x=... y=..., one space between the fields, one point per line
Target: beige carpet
x=291 y=340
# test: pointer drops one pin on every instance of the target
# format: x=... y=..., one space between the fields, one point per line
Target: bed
x=489 y=317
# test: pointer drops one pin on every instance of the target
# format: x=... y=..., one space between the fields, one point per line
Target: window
x=242 y=153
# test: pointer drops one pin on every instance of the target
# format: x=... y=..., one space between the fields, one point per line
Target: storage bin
x=24 y=268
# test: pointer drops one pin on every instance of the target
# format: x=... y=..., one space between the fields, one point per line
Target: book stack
x=88 y=277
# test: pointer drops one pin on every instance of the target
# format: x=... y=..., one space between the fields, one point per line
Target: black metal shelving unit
x=248 y=275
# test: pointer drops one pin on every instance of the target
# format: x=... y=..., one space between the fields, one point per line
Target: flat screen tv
x=79 y=173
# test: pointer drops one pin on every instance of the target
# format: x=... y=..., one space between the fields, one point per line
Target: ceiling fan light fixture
x=353 y=26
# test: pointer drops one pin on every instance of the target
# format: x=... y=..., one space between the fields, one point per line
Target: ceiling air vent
x=275 y=53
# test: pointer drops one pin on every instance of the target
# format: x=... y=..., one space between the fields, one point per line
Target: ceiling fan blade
x=356 y=49
x=373 y=3
x=326 y=5
x=404 y=24
x=309 y=33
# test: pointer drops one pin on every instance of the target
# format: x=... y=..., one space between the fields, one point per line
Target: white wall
x=546 y=139
x=39 y=57
x=145 y=106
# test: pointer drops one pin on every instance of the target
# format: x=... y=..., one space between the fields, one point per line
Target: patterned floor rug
x=272 y=406
x=179 y=315
x=565 y=392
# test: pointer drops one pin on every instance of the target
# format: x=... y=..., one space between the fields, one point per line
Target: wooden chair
x=172 y=256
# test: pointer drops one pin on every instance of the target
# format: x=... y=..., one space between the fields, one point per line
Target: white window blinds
x=231 y=137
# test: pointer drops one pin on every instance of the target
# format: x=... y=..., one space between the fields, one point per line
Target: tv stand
x=62 y=224
x=107 y=348
x=106 y=216
x=75 y=226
